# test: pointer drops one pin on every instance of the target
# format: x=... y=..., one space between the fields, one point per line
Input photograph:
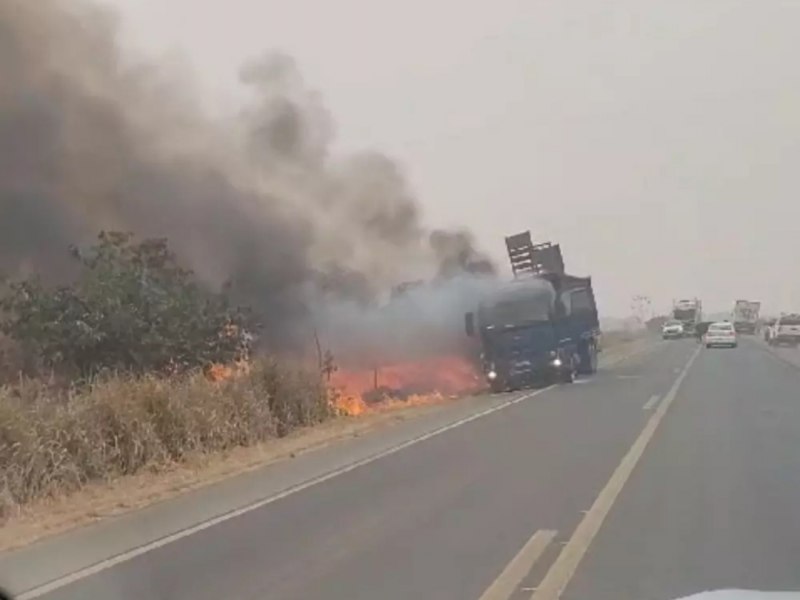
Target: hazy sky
x=657 y=141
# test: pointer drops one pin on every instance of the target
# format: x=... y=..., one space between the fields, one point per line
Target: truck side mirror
x=469 y=323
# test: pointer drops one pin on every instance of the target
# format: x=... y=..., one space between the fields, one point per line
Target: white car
x=672 y=330
x=720 y=334
x=785 y=331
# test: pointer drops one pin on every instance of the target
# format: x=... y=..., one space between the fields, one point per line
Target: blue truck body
x=540 y=328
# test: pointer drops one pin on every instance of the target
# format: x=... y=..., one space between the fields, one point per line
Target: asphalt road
x=672 y=473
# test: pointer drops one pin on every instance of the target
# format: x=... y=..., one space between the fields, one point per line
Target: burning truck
x=542 y=326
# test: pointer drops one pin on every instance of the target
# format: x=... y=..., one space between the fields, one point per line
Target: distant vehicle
x=745 y=316
x=720 y=334
x=688 y=312
x=785 y=331
x=672 y=330
x=541 y=327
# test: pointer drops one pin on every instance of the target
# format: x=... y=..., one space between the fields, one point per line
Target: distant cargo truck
x=745 y=316
x=689 y=313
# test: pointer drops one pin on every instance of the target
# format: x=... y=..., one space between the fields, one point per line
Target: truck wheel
x=588 y=359
x=496 y=387
x=567 y=375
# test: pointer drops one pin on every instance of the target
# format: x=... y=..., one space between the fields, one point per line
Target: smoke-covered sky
x=657 y=140
x=93 y=136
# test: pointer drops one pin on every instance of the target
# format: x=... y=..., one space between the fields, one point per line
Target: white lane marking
x=507 y=582
x=60 y=582
x=564 y=567
x=652 y=402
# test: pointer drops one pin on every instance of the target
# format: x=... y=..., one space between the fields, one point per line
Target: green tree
x=132 y=308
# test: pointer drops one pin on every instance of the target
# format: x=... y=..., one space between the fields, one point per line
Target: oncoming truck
x=542 y=326
x=689 y=313
x=745 y=316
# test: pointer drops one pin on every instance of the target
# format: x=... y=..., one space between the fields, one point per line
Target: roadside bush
x=132 y=309
x=55 y=442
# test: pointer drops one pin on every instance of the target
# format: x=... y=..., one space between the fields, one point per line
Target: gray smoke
x=91 y=139
x=423 y=320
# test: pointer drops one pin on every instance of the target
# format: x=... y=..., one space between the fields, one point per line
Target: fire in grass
x=386 y=387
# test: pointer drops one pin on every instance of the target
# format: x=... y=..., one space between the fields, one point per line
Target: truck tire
x=588 y=359
x=567 y=374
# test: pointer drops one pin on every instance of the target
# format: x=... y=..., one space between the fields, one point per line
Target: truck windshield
x=518 y=311
x=685 y=315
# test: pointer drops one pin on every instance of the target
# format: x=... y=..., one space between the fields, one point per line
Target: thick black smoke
x=91 y=140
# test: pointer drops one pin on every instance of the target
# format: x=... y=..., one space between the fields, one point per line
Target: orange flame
x=412 y=383
x=218 y=372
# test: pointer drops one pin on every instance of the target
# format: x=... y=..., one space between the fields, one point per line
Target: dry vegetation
x=53 y=443
x=615 y=338
x=110 y=375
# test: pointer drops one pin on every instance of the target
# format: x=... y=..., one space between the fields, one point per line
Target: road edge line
x=93 y=569
x=562 y=570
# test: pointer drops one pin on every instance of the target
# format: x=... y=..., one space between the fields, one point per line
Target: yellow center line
x=507 y=582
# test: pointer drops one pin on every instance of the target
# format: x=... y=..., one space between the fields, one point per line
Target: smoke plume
x=91 y=139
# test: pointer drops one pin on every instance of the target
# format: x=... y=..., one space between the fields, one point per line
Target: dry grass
x=105 y=499
x=53 y=443
x=619 y=337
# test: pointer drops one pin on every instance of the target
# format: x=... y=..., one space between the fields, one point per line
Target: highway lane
x=440 y=519
x=715 y=500
x=787 y=355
